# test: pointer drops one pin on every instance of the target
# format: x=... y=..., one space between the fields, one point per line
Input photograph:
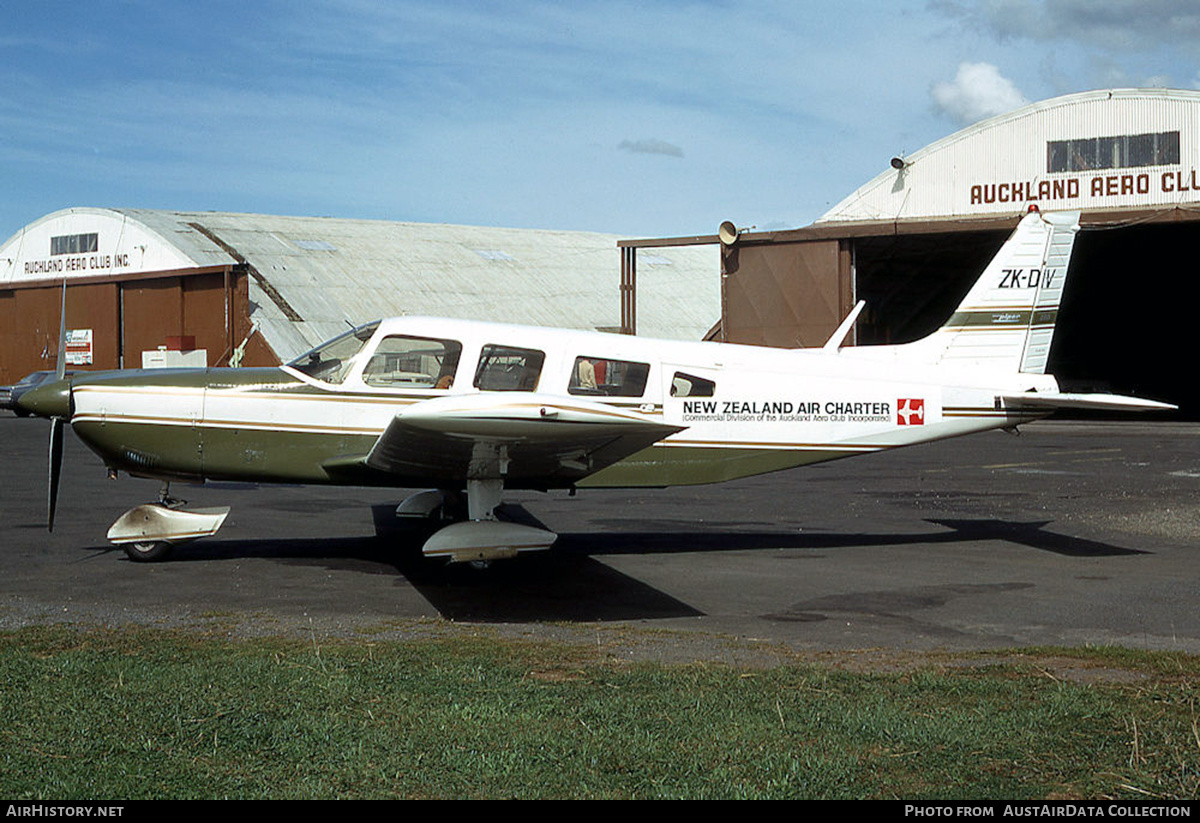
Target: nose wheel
x=147 y=551
x=149 y=533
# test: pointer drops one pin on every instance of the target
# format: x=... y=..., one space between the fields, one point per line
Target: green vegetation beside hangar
x=145 y=713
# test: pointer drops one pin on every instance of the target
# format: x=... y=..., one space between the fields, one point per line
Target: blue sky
x=638 y=118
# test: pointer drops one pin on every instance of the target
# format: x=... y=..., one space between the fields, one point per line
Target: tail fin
x=1006 y=322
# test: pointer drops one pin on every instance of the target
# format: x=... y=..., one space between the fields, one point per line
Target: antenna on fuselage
x=835 y=340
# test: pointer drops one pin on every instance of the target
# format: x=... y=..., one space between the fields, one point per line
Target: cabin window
x=614 y=378
x=505 y=368
x=331 y=361
x=403 y=362
x=688 y=385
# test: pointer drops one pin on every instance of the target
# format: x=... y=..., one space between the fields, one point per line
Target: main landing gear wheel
x=147 y=551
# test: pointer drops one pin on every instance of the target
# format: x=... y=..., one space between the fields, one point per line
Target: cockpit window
x=401 y=361
x=331 y=361
x=614 y=378
x=689 y=385
x=505 y=368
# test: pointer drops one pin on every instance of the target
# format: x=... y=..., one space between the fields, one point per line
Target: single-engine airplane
x=474 y=407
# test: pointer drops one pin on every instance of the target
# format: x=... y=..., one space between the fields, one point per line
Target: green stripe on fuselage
x=1002 y=318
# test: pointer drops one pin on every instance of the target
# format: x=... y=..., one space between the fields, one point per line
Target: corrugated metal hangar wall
x=207 y=309
x=130 y=291
x=261 y=289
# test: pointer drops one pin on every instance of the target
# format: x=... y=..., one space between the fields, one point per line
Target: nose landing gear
x=148 y=533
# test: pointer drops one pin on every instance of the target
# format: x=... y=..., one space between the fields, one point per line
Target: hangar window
x=331 y=361
x=688 y=385
x=413 y=362
x=615 y=378
x=1125 y=151
x=74 y=243
x=505 y=368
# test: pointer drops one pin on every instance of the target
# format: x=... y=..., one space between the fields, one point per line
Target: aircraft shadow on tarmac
x=570 y=584
x=545 y=587
x=1031 y=534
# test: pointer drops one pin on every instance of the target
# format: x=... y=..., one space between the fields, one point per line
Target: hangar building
x=911 y=240
x=214 y=288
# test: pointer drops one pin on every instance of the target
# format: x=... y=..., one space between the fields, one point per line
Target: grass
x=150 y=713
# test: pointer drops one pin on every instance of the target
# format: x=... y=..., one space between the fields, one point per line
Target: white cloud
x=978 y=91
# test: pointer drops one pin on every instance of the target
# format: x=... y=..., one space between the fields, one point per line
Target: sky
x=643 y=119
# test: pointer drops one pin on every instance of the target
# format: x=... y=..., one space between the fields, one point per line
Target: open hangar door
x=1128 y=319
x=1126 y=324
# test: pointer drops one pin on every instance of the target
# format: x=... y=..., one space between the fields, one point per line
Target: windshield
x=331 y=361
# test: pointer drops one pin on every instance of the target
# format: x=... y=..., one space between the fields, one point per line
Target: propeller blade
x=56 y=454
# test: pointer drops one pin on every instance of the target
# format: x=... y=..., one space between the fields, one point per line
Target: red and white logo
x=910 y=412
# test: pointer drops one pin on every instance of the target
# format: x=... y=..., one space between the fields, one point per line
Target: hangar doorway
x=1128 y=313
x=1125 y=324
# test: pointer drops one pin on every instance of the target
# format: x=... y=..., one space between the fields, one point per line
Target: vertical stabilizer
x=1006 y=322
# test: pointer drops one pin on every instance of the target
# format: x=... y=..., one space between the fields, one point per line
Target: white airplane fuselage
x=740 y=410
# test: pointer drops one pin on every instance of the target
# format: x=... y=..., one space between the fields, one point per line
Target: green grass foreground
x=146 y=713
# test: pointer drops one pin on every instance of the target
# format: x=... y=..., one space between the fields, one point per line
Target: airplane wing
x=1073 y=400
x=530 y=440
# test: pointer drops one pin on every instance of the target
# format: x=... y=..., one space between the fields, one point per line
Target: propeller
x=56 y=423
x=56 y=452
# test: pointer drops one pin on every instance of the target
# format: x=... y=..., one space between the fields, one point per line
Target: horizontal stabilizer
x=1070 y=400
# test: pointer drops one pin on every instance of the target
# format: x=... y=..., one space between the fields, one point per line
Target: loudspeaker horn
x=727 y=233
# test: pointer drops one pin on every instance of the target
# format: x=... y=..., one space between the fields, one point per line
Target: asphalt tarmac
x=1072 y=533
